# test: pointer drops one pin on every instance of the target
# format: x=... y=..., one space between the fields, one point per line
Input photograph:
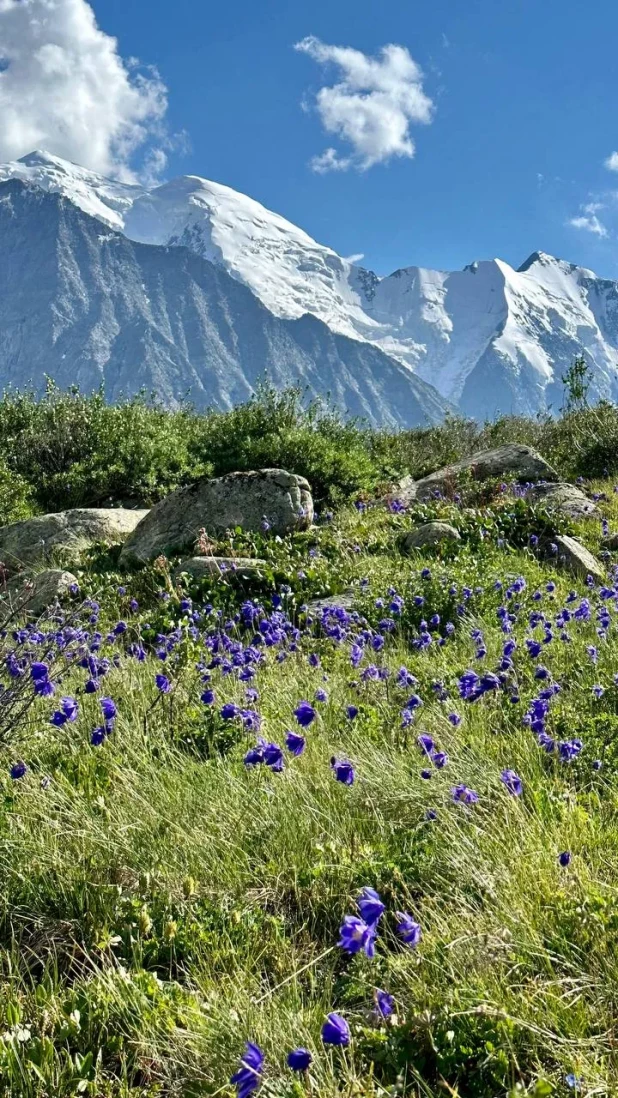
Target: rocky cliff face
x=83 y=304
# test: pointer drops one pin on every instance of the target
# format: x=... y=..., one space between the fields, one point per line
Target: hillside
x=203 y=778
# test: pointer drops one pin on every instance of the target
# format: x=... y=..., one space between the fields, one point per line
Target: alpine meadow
x=333 y=812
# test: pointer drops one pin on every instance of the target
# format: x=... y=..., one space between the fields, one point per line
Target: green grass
x=161 y=904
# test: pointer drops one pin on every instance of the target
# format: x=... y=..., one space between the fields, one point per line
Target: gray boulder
x=40 y=538
x=198 y=567
x=216 y=505
x=579 y=560
x=611 y=542
x=512 y=462
x=566 y=499
x=36 y=593
x=428 y=536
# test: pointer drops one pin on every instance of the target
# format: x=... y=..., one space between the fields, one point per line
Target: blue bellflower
x=343 y=771
x=299 y=1059
x=305 y=714
x=247 y=1078
x=512 y=782
x=408 y=930
x=336 y=1031
x=384 y=1003
x=295 y=743
x=355 y=936
x=370 y=906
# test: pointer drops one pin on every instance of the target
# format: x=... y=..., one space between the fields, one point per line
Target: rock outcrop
x=269 y=499
x=511 y=462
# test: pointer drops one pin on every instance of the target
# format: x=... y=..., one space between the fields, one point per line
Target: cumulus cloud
x=371 y=107
x=64 y=87
x=612 y=162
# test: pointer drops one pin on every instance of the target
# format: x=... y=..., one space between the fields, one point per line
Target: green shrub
x=78 y=451
x=67 y=449
x=15 y=496
x=275 y=429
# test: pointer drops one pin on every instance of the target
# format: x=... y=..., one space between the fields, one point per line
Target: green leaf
x=542 y=1088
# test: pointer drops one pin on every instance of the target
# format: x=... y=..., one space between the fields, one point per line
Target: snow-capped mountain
x=83 y=304
x=104 y=199
x=489 y=338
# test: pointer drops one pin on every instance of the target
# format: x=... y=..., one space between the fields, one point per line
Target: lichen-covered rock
x=611 y=542
x=218 y=504
x=428 y=536
x=511 y=462
x=564 y=498
x=579 y=560
x=198 y=567
x=69 y=532
x=35 y=593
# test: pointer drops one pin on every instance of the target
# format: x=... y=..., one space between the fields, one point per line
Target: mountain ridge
x=489 y=338
x=88 y=306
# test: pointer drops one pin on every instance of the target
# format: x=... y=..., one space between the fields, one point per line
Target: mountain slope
x=489 y=338
x=84 y=304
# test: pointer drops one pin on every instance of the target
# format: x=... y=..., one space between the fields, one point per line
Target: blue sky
x=524 y=99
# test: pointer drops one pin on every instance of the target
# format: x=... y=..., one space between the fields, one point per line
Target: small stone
x=579 y=560
x=428 y=536
x=345 y=601
x=564 y=498
x=197 y=567
x=403 y=492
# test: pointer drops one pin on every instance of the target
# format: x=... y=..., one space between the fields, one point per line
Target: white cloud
x=372 y=106
x=612 y=162
x=65 y=88
x=589 y=222
x=330 y=161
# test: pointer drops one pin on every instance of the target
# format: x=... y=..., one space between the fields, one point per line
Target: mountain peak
x=41 y=158
x=551 y=262
x=537 y=257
